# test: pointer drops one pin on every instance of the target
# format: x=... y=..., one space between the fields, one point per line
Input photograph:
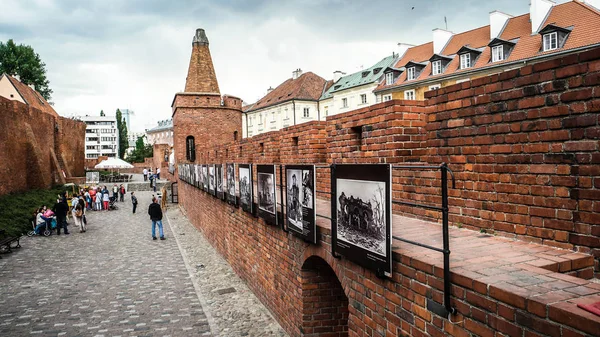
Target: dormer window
x=410 y=73
x=497 y=53
x=365 y=74
x=554 y=37
x=389 y=78
x=550 y=41
x=465 y=61
x=439 y=62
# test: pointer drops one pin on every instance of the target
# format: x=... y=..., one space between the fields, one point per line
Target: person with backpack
x=78 y=217
x=134 y=202
x=156 y=216
x=122 y=192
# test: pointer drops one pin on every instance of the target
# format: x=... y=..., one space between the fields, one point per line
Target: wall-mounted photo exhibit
x=197 y=171
x=245 y=182
x=230 y=185
x=211 y=180
x=361 y=213
x=301 y=215
x=267 y=198
x=219 y=181
x=205 y=177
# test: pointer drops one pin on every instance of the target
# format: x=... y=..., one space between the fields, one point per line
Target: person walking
x=78 y=217
x=83 y=210
x=154 y=184
x=122 y=192
x=145 y=174
x=156 y=216
x=61 y=208
x=151 y=178
x=158 y=173
x=134 y=202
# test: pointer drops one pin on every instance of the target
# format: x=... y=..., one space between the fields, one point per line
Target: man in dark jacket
x=156 y=215
x=60 y=209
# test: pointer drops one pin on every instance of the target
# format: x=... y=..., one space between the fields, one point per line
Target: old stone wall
x=37 y=150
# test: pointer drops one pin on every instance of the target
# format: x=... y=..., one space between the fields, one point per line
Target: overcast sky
x=109 y=54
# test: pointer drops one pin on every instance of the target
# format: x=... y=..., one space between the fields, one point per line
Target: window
x=387 y=98
x=273 y=117
x=344 y=102
x=363 y=99
x=190 y=148
x=497 y=53
x=306 y=113
x=550 y=41
x=410 y=73
x=436 y=67
x=389 y=78
x=409 y=95
x=435 y=86
x=259 y=119
x=287 y=113
x=465 y=61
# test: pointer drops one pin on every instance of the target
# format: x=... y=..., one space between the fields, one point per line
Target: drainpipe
x=294 y=109
x=247 y=135
x=318 y=111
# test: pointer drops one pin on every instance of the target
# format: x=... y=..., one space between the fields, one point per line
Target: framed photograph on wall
x=245 y=183
x=205 y=177
x=211 y=179
x=266 y=188
x=197 y=170
x=219 y=181
x=230 y=185
x=301 y=215
x=361 y=215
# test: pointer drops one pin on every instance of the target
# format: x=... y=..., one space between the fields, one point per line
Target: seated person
x=40 y=220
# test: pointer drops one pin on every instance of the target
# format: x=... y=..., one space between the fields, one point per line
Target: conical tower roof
x=201 y=73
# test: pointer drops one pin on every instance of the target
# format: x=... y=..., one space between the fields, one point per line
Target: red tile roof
x=308 y=86
x=32 y=97
x=583 y=19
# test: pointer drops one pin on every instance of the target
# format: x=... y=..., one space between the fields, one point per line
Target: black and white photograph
x=231 y=196
x=245 y=179
x=219 y=180
x=198 y=170
x=267 y=198
x=211 y=179
x=300 y=207
x=362 y=226
x=205 y=177
x=294 y=199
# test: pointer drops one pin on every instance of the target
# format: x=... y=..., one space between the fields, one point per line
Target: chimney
x=538 y=10
x=440 y=39
x=31 y=86
x=17 y=77
x=497 y=22
x=269 y=90
x=402 y=48
x=337 y=75
x=296 y=73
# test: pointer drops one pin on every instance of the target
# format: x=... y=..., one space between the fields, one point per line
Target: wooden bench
x=7 y=241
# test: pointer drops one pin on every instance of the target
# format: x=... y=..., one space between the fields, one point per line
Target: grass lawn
x=16 y=209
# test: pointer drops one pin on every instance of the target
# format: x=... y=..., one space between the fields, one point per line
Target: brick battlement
x=524 y=147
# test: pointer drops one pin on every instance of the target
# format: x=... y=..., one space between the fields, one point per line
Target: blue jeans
x=160 y=228
x=39 y=227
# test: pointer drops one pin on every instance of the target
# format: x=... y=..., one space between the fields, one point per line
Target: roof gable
x=32 y=97
x=308 y=86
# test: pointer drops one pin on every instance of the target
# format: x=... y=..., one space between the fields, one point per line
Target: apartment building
x=101 y=136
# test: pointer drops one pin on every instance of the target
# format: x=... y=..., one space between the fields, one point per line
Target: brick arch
x=324 y=301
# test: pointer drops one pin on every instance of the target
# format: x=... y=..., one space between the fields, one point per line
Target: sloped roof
x=166 y=124
x=582 y=19
x=366 y=76
x=308 y=86
x=32 y=97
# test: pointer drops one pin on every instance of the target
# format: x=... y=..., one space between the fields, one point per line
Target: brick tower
x=200 y=114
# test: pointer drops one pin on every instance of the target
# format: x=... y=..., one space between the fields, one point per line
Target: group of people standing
x=151 y=176
x=99 y=198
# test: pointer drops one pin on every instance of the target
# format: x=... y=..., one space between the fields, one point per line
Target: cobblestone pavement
x=113 y=280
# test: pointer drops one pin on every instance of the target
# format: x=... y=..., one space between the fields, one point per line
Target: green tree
x=122 y=129
x=141 y=151
x=22 y=60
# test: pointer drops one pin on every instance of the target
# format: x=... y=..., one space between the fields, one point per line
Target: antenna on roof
x=446 y=21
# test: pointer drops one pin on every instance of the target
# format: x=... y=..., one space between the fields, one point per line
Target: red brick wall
x=524 y=148
x=27 y=141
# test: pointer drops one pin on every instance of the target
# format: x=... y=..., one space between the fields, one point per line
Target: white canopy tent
x=113 y=163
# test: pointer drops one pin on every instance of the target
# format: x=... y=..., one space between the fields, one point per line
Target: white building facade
x=101 y=136
x=161 y=134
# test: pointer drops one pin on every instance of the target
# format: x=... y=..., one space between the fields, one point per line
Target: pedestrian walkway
x=114 y=280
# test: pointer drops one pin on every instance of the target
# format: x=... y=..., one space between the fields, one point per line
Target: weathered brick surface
x=36 y=147
x=523 y=146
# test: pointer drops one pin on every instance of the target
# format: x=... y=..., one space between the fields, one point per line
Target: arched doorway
x=324 y=304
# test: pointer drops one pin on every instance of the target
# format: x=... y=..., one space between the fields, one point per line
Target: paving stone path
x=114 y=280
